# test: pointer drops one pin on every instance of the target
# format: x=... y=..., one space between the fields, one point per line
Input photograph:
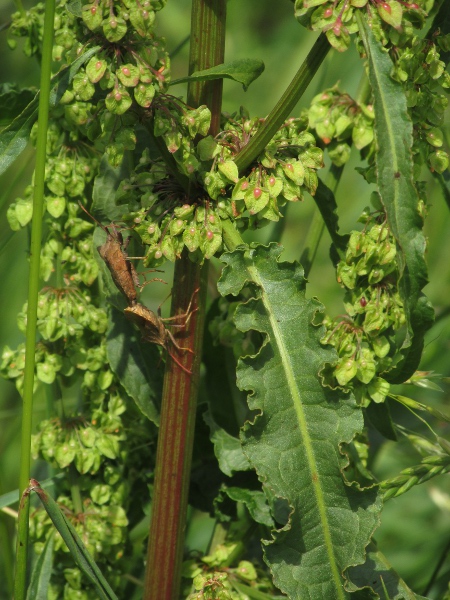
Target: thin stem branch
x=33 y=290
x=285 y=105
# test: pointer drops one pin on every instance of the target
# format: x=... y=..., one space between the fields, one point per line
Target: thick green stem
x=285 y=105
x=33 y=290
x=179 y=402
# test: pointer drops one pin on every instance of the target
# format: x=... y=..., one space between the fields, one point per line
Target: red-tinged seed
x=386 y=7
x=93 y=10
x=98 y=65
x=144 y=14
x=126 y=71
x=118 y=96
x=257 y=192
x=209 y=235
x=290 y=167
x=244 y=185
x=192 y=230
x=113 y=23
x=211 y=218
x=137 y=220
x=413 y=5
x=326 y=140
x=151 y=229
x=327 y=13
x=337 y=30
x=272 y=180
x=363 y=302
x=186 y=207
x=158 y=254
x=179 y=223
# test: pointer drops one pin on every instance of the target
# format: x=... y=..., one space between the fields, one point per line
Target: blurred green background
x=415 y=527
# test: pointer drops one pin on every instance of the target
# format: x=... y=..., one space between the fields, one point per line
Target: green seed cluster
x=340 y=121
x=168 y=219
x=422 y=72
x=211 y=577
x=365 y=337
x=338 y=19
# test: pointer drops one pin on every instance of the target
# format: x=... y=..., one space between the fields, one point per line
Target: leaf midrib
x=301 y=418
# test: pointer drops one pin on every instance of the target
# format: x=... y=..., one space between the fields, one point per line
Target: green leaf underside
x=76 y=547
x=326 y=203
x=13 y=101
x=134 y=362
x=38 y=588
x=294 y=443
x=243 y=71
x=381 y=576
x=393 y=132
x=14 y=137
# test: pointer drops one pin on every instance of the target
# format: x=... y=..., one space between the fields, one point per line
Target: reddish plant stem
x=179 y=402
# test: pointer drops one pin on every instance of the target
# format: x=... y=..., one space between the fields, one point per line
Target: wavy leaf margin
x=294 y=443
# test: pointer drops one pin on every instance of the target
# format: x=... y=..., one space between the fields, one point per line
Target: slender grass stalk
x=179 y=402
x=33 y=290
x=285 y=105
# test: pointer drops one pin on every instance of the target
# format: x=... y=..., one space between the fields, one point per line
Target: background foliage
x=415 y=527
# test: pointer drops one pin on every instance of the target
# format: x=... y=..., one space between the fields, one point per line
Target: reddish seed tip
x=93 y=10
x=126 y=71
x=272 y=181
x=327 y=13
x=386 y=7
x=98 y=64
x=211 y=218
x=158 y=254
x=192 y=230
x=113 y=23
x=289 y=167
x=363 y=302
x=326 y=140
x=257 y=192
x=118 y=96
x=209 y=235
x=244 y=185
x=337 y=30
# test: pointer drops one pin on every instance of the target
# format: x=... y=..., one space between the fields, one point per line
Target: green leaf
x=14 y=137
x=76 y=547
x=294 y=443
x=38 y=588
x=13 y=101
x=254 y=500
x=135 y=364
x=105 y=186
x=227 y=448
x=382 y=578
x=243 y=71
x=13 y=497
x=74 y=7
x=326 y=203
x=393 y=131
